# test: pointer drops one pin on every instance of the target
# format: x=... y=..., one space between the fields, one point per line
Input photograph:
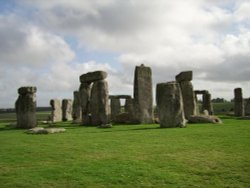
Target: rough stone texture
x=184 y=76
x=26 y=107
x=41 y=130
x=238 y=102
x=204 y=119
x=207 y=104
x=99 y=106
x=77 y=112
x=66 y=109
x=93 y=76
x=170 y=105
x=125 y=118
x=143 y=95
x=206 y=101
x=247 y=107
x=84 y=92
x=188 y=96
x=129 y=106
x=105 y=126
x=120 y=97
x=56 y=113
x=115 y=107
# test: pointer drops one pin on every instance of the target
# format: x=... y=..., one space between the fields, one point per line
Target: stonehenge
x=94 y=97
x=247 y=107
x=66 y=109
x=170 y=105
x=143 y=94
x=56 y=112
x=189 y=102
x=206 y=101
x=26 y=108
x=238 y=102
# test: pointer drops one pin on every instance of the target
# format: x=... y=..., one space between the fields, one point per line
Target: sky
x=50 y=43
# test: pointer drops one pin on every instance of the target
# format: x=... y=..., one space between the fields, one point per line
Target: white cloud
x=209 y=37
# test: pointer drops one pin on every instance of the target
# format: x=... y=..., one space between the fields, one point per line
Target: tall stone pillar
x=188 y=95
x=238 y=102
x=66 y=109
x=56 y=113
x=143 y=94
x=115 y=107
x=170 y=105
x=99 y=106
x=84 y=92
x=26 y=107
x=77 y=112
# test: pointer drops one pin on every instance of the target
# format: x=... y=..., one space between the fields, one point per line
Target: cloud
x=209 y=37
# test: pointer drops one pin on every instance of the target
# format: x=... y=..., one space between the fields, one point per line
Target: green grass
x=202 y=155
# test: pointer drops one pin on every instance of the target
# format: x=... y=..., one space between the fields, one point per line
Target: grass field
x=201 y=155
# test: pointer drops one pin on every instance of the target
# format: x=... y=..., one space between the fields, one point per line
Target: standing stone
x=207 y=103
x=170 y=105
x=99 y=106
x=26 y=107
x=247 y=107
x=143 y=94
x=66 y=109
x=129 y=106
x=238 y=102
x=84 y=92
x=77 y=112
x=56 y=113
x=115 y=107
x=189 y=102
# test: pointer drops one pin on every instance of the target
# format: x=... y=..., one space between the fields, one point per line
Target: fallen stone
x=93 y=76
x=41 y=130
x=204 y=119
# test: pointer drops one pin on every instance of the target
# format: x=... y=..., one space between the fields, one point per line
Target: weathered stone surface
x=204 y=119
x=26 y=108
x=85 y=92
x=56 y=113
x=99 y=106
x=115 y=107
x=25 y=90
x=77 y=112
x=129 y=106
x=41 y=130
x=188 y=96
x=238 y=102
x=207 y=104
x=66 y=109
x=125 y=118
x=120 y=97
x=170 y=105
x=143 y=94
x=184 y=76
x=93 y=76
x=247 y=107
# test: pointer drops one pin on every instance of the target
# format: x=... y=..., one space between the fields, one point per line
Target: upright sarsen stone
x=99 y=106
x=170 y=105
x=188 y=95
x=66 y=109
x=26 y=107
x=247 y=107
x=143 y=94
x=238 y=102
x=115 y=107
x=84 y=92
x=56 y=113
x=76 y=112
